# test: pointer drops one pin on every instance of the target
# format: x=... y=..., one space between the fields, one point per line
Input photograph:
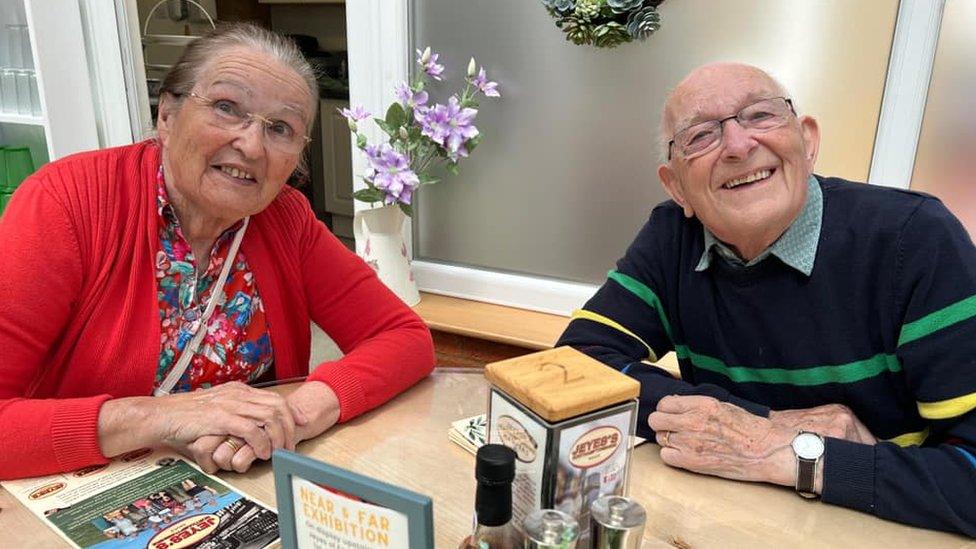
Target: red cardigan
x=79 y=320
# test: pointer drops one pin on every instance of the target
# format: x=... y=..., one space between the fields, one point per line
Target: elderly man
x=825 y=329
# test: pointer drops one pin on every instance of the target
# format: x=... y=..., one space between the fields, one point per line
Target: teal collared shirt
x=797 y=247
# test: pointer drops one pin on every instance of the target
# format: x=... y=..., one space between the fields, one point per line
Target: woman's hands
x=313 y=400
x=197 y=423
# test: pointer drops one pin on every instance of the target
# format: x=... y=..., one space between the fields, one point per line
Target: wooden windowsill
x=510 y=325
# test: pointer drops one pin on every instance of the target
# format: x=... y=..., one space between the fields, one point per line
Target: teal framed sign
x=324 y=505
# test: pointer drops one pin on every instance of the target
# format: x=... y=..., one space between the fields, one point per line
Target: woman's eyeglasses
x=278 y=134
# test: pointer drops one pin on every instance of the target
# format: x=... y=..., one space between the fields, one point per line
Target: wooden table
x=405 y=443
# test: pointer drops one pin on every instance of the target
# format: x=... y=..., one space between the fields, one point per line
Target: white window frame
x=378 y=40
x=910 y=65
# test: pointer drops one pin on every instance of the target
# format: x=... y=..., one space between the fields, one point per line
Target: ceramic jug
x=379 y=241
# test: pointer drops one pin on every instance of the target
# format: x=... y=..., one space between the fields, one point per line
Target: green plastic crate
x=4 y=199
x=16 y=164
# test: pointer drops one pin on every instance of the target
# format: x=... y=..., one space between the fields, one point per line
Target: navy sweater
x=884 y=324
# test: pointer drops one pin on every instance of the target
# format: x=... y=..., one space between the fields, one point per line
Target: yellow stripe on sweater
x=911 y=439
x=944 y=409
x=600 y=319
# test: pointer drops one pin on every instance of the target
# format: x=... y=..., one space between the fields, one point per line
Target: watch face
x=808 y=446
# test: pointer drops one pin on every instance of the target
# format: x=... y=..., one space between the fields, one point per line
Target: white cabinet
x=337 y=166
x=337 y=157
x=47 y=57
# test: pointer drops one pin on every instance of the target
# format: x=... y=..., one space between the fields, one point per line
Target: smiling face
x=224 y=175
x=749 y=188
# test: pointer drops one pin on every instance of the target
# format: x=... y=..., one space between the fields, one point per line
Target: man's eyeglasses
x=761 y=116
x=278 y=134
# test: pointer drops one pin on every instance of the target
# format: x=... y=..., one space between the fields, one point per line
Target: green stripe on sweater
x=646 y=294
x=943 y=318
x=816 y=375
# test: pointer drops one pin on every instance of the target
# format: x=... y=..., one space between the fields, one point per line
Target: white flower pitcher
x=379 y=241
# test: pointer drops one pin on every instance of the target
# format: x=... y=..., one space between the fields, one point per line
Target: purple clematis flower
x=449 y=126
x=488 y=88
x=406 y=97
x=430 y=65
x=357 y=113
x=392 y=173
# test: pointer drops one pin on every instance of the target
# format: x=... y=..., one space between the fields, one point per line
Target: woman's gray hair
x=183 y=75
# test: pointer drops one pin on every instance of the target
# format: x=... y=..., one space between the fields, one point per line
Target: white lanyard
x=216 y=294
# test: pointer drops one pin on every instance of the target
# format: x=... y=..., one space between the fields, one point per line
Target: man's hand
x=831 y=420
x=707 y=436
x=316 y=408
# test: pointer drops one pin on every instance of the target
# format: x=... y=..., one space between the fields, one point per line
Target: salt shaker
x=616 y=522
x=550 y=529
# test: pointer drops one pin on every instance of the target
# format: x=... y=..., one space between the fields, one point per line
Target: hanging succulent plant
x=605 y=23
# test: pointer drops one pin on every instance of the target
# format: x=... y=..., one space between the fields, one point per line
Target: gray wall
x=566 y=173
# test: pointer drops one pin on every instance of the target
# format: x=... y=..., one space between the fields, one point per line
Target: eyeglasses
x=761 y=116
x=278 y=134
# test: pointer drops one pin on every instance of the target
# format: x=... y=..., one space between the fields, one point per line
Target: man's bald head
x=699 y=96
x=744 y=179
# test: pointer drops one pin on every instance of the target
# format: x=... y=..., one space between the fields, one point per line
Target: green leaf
x=396 y=116
x=426 y=179
x=407 y=208
x=371 y=194
x=390 y=130
x=360 y=141
x=473 y=142
x=453 y=168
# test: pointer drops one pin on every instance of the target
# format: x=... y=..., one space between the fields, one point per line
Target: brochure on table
x=147 y=499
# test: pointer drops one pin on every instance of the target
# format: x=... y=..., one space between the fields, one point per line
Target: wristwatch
x=808 y=448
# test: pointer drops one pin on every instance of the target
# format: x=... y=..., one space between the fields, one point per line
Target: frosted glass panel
x=946 y=161
x=566 y=173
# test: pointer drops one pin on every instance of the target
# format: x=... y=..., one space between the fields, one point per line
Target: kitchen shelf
x=168 y=39
x=301 y=2
x=14 y=118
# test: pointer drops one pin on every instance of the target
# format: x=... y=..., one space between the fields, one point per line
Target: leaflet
x=149 y=500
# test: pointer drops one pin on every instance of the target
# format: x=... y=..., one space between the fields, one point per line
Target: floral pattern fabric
x=237 y=346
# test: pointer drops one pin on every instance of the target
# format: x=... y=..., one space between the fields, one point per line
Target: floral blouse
x=237 y=346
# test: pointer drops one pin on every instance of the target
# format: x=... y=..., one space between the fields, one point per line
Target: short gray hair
x=663 y=132
x=184 y=74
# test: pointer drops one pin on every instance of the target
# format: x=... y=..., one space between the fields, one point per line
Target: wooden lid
x=561 y=383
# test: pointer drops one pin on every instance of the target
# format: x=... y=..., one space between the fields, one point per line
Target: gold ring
x=666 y=436
x=234 y=445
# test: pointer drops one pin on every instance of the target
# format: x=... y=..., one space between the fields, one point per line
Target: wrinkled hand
x=196 y=423
x=314 y=401
x=831 y=420
x=707 y=436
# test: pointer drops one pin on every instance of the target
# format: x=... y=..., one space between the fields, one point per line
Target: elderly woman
x=143 y=287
